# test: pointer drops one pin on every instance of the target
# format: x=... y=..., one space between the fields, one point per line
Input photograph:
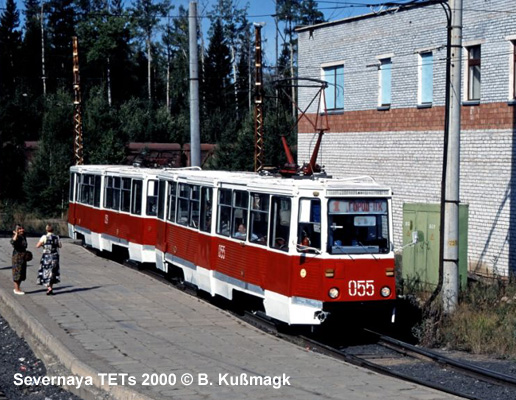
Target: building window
x=513 y=71
x=426 y=78
x=334 y=93
x=385 y=82
x=473 y=72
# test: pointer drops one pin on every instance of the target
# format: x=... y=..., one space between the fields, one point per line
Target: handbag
x=28 y=255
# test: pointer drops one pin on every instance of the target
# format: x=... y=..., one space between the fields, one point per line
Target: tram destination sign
x=358 y=206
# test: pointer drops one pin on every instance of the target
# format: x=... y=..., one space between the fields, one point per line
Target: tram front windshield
x=358 y=226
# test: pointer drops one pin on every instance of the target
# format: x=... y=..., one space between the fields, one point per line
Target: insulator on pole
x=77 y=113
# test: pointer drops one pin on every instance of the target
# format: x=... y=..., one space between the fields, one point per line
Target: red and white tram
x=115 y=206
x=305 y=246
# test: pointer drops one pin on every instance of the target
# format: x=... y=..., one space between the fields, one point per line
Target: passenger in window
x=258 y=238
x=305 y=241
x=280 y=243
x=152 y=207
x=241 y=232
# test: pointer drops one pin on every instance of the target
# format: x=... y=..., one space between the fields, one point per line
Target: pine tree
x=176 y=43
x=104 y=36
x=235 y=28
x=31 y=49
x=146 y=17
x=46 y=183
x=60 y=29
x=217 y=88
x=10 y=42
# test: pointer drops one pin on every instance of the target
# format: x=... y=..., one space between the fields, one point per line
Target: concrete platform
x=119 y=329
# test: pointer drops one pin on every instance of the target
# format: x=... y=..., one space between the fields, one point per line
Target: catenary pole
x=195 y=135
x=258 y=102
x=451 y=206
x=77 y=105
x=42 y=25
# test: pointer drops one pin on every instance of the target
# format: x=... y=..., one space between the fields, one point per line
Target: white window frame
x=512 y=67
x=422 y=95
x=467 y=95
x=334 y=89
x=385 y=59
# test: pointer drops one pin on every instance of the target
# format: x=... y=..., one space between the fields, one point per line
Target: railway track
x=392 y=357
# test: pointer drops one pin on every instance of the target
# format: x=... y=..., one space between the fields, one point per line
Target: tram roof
x=335 y=186
x=275 y=182
x=114 y=169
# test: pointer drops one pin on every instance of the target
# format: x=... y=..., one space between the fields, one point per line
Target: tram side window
x=161 y=199
x=96 y=196
x=136 y=206
x=125 y=200
x=108 y=195
x=71 y=188
x=224 y=212
x=171 y=199
x=182 y=204
x=240 y=208
x=309 y=226
x=281 y=209
x=259 y=220
x=87 y=188
x=195 y=205
x=78 y=178
x=152 y=197
x=112 y=200
x=206 y=208
x=116 y=193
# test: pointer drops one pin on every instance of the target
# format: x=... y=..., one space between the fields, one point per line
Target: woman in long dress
x=49 y=273
x=19 y=243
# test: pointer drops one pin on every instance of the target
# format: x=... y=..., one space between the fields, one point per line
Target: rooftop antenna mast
x=77 y=113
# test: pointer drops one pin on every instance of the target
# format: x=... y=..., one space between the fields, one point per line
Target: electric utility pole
x=195 y=135
x=452 y=163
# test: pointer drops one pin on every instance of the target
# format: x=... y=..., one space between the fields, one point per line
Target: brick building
x=386 y=112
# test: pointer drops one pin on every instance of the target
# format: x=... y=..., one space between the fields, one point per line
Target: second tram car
x=304 y=247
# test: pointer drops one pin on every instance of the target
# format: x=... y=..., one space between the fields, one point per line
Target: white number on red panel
x=222 y=252
x=361 y=288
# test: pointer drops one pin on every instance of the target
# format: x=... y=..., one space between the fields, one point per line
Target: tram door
x=73 y=197
x=307 y=274
x=161 y=228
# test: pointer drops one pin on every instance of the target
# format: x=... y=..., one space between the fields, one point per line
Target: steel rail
x=462 y=366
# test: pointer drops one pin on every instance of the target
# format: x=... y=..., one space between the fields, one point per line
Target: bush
x=483 y=323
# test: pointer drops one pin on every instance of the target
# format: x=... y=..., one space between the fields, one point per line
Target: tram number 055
x=361 y=288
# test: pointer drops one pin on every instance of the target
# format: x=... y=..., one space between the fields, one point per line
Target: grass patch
x=483 y=323
x=10 y=215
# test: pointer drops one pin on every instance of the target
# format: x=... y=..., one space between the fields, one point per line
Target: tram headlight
x=386 y=291
x=333 y=293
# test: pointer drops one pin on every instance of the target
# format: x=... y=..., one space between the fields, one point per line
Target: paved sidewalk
x=112 y=325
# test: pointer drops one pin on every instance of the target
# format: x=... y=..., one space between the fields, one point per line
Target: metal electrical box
x=421 y=232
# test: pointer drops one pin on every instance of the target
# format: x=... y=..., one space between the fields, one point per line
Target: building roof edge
x=393 y=8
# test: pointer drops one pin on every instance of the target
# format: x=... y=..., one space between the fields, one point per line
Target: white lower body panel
x=291 y=310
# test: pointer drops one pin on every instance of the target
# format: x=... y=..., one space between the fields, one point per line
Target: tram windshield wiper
x=367 y=250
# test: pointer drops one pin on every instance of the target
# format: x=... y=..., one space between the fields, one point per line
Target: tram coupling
x=321 y=315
